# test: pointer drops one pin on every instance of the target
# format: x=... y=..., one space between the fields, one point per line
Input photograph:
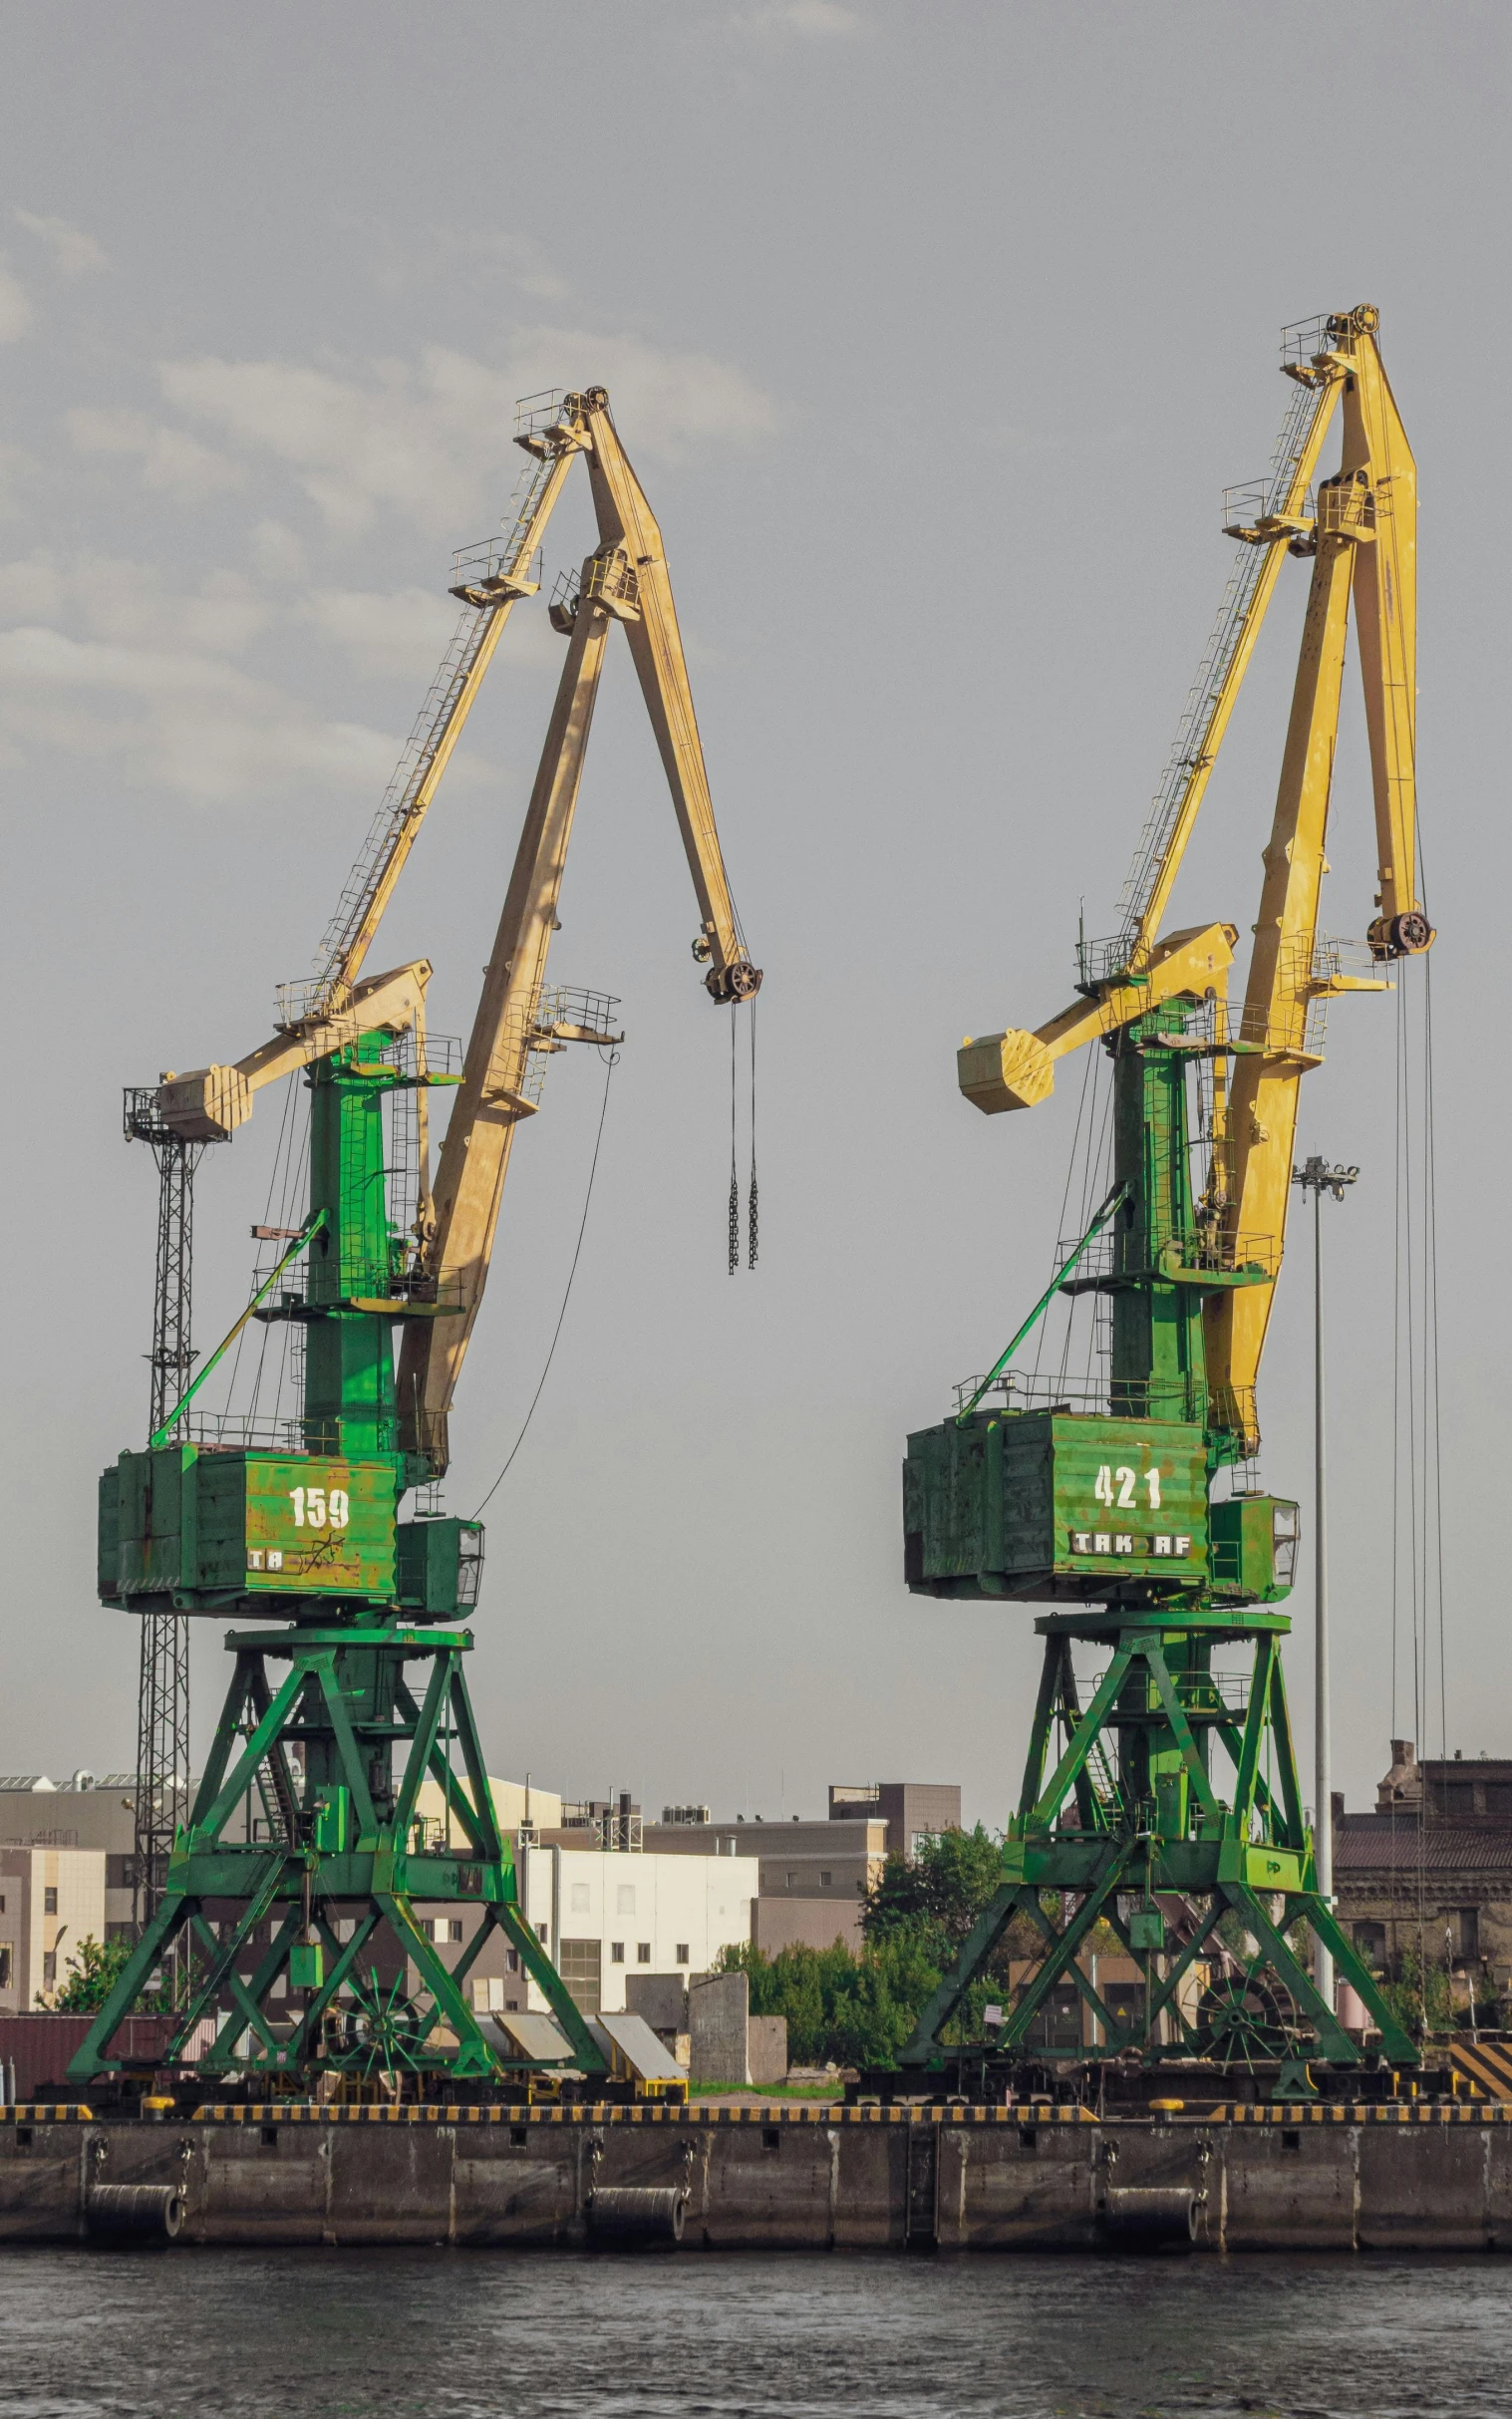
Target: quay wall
x=789 y=2177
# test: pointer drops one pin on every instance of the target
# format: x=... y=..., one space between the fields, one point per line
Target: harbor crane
x=291 y=1888
x=1134 y=1511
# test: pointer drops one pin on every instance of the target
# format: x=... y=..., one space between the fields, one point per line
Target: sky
x=935 y=334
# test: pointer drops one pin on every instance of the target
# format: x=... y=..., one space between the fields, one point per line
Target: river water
x=205 y=2334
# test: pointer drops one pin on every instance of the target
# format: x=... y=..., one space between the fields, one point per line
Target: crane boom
x=625 y=580
x=1215 y=692
x=1365 y=535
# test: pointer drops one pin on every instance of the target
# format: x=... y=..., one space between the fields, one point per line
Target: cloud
x=404 y=632
x=419 y=442
x=173 y=462
x=179 y=719
x=664 y=401
x=74 y=252
x=434 y=439
x=129 y=604
x=808 y=20
x=15 y=306
x=477 y=257
x=18 y=469
x=277 y=552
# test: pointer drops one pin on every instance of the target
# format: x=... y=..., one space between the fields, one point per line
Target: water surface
x=229 y=2335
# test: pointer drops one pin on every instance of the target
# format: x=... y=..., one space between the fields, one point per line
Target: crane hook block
x=740 y=980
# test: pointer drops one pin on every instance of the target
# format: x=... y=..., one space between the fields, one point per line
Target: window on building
x=825 y=1879
x=454 y=1927
x=792 y=1881
x=5 y=1965
x=643 y=1952
x=50 y=1970
x=616 y=1953
x=580 y=1966
x=580 y=1897
x=541 y=1930
x=1463 y=1931
x=624 y=1899
x=511 y=1961
x=921 y=1840
x=2 y=1902
x=683 y=1957
x=49 y=1902
x=1370 y=1940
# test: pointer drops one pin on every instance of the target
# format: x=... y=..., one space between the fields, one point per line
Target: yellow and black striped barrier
x=1488 y=2064
x=620 y=2112
x=653 y=2112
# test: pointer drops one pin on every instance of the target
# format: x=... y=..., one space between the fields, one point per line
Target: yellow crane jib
x=623 y=583
x=209 y=1104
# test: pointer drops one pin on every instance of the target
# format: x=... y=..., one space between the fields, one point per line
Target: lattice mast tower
x=1116 y=1512
x=294 y=1880
x=162 y=1691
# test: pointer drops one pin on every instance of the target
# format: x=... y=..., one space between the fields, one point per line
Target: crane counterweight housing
x=1165 y=1803
x=289 y=1917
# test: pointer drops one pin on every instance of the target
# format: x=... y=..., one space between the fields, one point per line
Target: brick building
x=1430 y=1870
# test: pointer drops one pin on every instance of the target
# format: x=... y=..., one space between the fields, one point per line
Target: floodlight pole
x=1317 y=1177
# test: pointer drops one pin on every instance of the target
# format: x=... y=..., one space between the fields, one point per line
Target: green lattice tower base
x=343 y=1853
x=1128 y=1828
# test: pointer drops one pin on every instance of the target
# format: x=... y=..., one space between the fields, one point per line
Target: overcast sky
x=935 y=334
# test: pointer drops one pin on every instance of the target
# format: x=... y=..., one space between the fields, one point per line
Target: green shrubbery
x=853 y=2010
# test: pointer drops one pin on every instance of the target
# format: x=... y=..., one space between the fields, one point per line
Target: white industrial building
x=602 y=1915
x=605 y=1916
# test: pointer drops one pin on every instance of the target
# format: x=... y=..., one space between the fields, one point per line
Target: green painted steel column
x=349 y=1373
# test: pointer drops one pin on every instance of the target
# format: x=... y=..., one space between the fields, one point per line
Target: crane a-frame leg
x=1128 y=1832
x=297 y=1922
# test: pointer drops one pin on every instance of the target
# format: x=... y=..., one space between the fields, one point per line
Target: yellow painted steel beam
x=209 y=1104
x=1018 y=1070
x=406 y=832
x=1385 y=623
x=1283 y=526
x=625 y=519
x=626 y=581
x=475 y=1158
x=1263 y=1099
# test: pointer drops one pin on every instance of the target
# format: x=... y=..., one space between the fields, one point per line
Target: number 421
x=1116 y=1488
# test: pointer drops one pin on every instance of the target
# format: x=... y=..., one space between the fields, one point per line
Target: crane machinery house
x=307 y=1516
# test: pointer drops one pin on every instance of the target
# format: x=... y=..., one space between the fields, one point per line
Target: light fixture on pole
x=1317 y=1177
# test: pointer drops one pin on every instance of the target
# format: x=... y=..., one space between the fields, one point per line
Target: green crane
x=292 y=1886
x=1167 y=1805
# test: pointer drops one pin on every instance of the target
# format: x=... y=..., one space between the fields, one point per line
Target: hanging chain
x=753 y=1211
x=735 y=1181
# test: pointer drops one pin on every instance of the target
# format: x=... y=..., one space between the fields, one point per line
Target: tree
x=939 y=1896
x=93 y=1972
